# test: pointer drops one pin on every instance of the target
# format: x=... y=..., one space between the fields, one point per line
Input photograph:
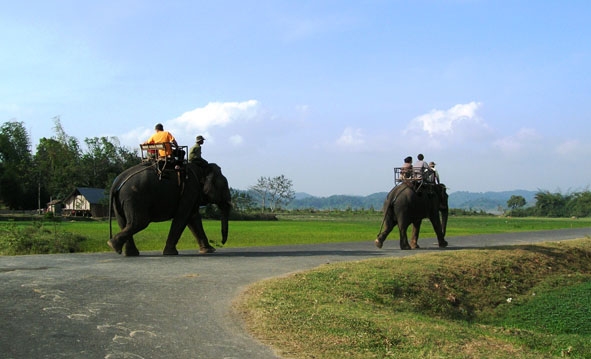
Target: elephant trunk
x=225 y=217
x=444 y=215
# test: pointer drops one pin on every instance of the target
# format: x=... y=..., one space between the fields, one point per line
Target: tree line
x=576 y=204
x=29 y=180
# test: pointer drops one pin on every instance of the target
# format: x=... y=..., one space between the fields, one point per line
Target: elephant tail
x=389 y=204
x=111 y=199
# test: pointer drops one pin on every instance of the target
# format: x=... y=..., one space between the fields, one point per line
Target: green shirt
x=195 y=153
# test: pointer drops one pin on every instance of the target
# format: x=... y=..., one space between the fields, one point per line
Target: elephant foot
x=379 y=243
x=443 y=244
x=170 y=252
x=115 y=246
x=132 y=252
x=206 y=250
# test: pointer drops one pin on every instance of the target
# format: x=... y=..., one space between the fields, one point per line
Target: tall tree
x=18 y=180
x=280 y=191
x=103 y=160
x=516 y=202
x=580 y=204
x=274 y=191
x=262 y=190
x=551 y=204
x=58 y=162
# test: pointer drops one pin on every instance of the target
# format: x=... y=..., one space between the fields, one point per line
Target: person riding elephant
x=195 y=152
x=405 y=206
x=161 y=136
x=144 y=193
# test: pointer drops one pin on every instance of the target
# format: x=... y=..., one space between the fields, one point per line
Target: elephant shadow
x=229 y=253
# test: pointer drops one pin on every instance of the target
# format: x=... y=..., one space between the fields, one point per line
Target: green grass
x=566 y=310
x=464 y=304
x=296 y=228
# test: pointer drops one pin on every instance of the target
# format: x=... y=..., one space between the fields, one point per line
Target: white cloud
x=521 y=140
x=216 y=114
x=351 y=137
x=446 y=122
x=459 y=125
x=569 y=147
x=201 y=121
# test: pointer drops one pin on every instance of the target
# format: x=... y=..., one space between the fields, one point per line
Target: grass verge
x=507 y=302
x=290 y=229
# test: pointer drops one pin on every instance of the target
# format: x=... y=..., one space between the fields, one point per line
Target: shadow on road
x=279 y=253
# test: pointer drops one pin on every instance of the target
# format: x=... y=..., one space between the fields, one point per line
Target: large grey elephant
x=406 y=205
x=144 y=193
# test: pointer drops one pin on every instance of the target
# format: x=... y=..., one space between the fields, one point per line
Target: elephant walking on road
x=406 y=205
x=144 y=193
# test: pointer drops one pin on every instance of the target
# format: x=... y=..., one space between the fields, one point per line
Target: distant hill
x=488 y=201
x=338 y=202
x=477 y=201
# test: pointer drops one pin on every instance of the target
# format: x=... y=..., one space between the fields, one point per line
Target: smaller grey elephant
x=406 y=205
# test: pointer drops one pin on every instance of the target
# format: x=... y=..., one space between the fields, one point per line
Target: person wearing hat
x=435 y=173
x=195 y=152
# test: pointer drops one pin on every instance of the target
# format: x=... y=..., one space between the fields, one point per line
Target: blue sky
x=331 y=94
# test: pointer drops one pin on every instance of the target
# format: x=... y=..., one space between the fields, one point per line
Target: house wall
x=78 y=203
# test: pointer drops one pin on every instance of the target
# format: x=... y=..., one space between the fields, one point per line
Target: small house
x=86 y=202
x=55 y=207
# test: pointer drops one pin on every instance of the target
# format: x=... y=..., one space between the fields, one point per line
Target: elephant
x=406 y=204
x=146 y=193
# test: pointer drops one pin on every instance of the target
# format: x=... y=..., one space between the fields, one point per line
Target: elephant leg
x=131 y=220
x=118 y=240
x=124 y=237
x=174 y=234
x=416 y=229
x=130 y=248
x=388 y=225
x=196 y=227
x=437 y=227
x=403 y=227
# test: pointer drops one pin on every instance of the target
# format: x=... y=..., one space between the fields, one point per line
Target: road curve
x=104 y=305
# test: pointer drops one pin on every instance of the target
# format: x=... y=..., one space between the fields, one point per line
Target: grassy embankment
x=530 y=301
x=91 y=236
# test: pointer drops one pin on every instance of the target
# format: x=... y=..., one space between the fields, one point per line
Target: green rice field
x=290 y=228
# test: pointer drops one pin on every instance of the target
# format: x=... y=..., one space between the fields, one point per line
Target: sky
x=331 y=94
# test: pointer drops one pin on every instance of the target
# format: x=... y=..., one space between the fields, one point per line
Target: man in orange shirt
x=162 y=136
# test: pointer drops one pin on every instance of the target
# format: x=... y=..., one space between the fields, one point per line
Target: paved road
x=108 y=306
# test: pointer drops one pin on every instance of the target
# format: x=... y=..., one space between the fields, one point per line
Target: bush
x=37 y=239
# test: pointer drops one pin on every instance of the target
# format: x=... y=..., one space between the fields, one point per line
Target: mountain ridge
x=489 y=201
